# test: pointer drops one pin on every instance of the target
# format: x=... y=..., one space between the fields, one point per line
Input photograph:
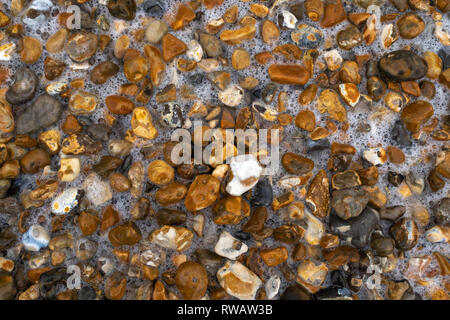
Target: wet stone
x=191 y=280
x=349 y=37
x=296 y=164
x=402 y=65
x=103 y=71
x=24 y=86
x=262 y=194
x=81 y=46
x=349 y=203
x=170 y=217
x=416 y=113
x=307 y=36
x=410 y=25
x=123 y=9
x=405 y=234
x=44 y=112
x=358 y=229
x=30 y=49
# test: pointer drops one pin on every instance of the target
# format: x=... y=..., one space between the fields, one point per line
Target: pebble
x=402 y=65
x=82 y=102
x=434 y=63
x=24 y=86
x=160 y=172
x=235 y=37
x=172 y=47
x=334 y=13
x=66 y=201
x=7 y=286
x=171 y=193
x=410 y=25
x=274 y=257
x=211 y=46
x=272 y=286
x=262 y=194
x=155 y=31
x=329 y=102
x=438 y=234
x=314 y=9
x=135 y=68
x=142 y=124
x=311 y=274
x=231 y=96
x=35 y=238
x=349 y=93
x=97 y=190
x=230 y=210
x=357 y=229
x=55 y=43
x=240 y=59
x=296 y=164
x=43 y=113
x=127 y=233
x=175 y=238
x=34 y=160
x=349 y=203
x=318 y=195
x=119 y=104
x=6 y=118
x=123 y=9
x=405 y=233
x=288 y=74
x=416 y=113
x=191 y=280
x=376 y=156
x=229 y=247
x=30 y=50
x=81 y=46
x=349 y=37
x=246 y=172
x=170 y=217
x=104 y=71
x=238 y=281
x=116 y=283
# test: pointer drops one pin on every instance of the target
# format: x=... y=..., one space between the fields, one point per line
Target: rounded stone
x=81 y=46
x=240 y=59
x=122 y=9
x=202 y=193
x=119 y=105
x=296 y=164
x=34 y=160
x=402 y=65
x=410 y=25
x=191 y=280
x=24 y=86
x=349 y=37
x=103 y=71
x=160 y=172
x=30 y=50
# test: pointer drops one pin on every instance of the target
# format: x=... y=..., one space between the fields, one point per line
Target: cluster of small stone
x=334 y=224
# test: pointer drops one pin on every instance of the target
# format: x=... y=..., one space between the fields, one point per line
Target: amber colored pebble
x=411 y=87
x=274 y=257
x=306 y=120
x=88 y=223
x=395 y=155
x=110 y=218
x=263 y=57
x=172 y=47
